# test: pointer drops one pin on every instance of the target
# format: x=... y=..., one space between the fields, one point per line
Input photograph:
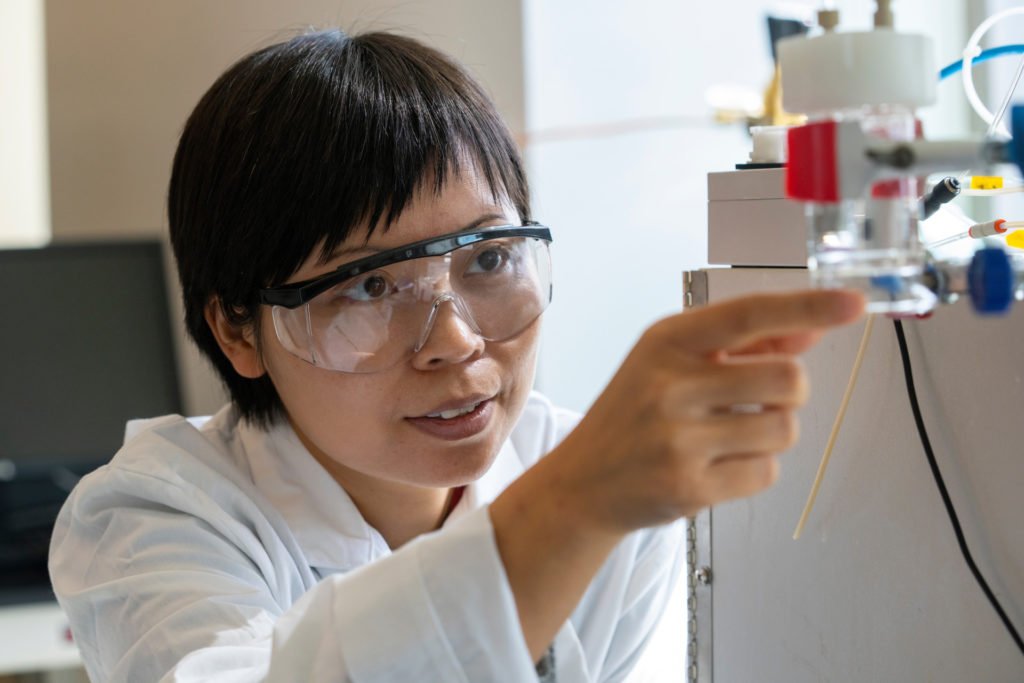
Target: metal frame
x=703 y=617
x=698 y=544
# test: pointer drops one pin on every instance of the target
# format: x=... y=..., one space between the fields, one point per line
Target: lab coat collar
x=325 y=522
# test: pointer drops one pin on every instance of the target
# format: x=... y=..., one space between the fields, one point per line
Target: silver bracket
x=695 y=288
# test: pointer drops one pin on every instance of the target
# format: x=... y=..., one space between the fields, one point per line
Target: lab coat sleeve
x=440 y=609
x=159 y=586
x=635 y=587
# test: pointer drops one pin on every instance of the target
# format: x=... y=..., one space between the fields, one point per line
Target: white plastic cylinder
x=840 y=71
x=769 y=144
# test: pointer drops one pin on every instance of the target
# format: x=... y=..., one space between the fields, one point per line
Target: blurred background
x=617 y=107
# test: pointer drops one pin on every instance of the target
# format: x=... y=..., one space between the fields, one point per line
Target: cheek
x=518 y=358
x=331 y=408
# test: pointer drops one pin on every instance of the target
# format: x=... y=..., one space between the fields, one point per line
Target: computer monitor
x=85 y=345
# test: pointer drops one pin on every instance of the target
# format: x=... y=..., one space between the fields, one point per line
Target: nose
x=449 y=335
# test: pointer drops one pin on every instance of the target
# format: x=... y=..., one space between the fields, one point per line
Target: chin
x=462 y=466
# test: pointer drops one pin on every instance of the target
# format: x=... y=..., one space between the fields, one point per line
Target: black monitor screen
x=85 y=345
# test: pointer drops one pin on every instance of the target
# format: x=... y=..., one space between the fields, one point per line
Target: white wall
x=24 y=176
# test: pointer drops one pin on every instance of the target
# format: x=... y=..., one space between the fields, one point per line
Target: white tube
x=998 y=118
x=987 y=229
x=949 y=240
x=992 y=193
x=971 y=51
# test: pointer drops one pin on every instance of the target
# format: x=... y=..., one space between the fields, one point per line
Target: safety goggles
x=370 y=314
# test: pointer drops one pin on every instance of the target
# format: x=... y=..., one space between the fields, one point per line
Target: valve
x=990 y=280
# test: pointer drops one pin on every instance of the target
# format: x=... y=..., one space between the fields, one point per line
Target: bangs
x=338 y=133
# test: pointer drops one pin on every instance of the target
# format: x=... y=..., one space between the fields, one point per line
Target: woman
x=358 y=259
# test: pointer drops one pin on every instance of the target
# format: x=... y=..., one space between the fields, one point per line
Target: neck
x=398 y=511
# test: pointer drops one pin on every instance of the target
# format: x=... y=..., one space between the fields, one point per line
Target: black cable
x=950 y=510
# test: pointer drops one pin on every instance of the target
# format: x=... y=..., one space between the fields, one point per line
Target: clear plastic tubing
x=871 y=243
x=971 y=50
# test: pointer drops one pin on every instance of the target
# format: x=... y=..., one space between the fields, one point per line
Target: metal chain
x=691 y=600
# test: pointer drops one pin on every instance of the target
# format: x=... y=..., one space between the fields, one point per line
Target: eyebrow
x=345 y=251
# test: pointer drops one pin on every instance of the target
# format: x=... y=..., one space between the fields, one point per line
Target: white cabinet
x=876 y=589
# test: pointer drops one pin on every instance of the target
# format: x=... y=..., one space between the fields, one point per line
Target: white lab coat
x=227 y=553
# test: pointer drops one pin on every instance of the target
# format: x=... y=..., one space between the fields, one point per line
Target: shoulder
x=172 y=492
x=168 y=466
x=186 y=452
x=541 y=426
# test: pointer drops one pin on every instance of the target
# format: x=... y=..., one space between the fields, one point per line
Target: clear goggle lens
x=371 y=322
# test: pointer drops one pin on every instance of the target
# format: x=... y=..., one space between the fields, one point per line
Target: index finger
x=742 y=322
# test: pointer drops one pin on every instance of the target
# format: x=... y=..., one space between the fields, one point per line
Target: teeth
x=449 y=414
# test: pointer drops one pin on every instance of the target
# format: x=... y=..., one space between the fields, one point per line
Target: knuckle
x=671 y=395
x=685 y=443
x=652 y=334
x=768 y=472
x=803 y=385
x=789 y=429
x=761 y=472
x=682 y=391
x=787 y=375
x=792 y=378
x=661 y=331
x=690 y=448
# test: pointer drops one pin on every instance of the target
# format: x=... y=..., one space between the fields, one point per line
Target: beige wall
x=24 y=178
x=123 y=76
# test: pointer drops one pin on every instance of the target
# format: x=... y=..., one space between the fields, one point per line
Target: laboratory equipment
x=877 y=588
x=858 y=163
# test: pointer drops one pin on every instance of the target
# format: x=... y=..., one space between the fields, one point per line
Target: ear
x=237 y=343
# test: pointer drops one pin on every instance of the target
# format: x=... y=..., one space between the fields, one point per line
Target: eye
x=489 y=260
x=370 y=287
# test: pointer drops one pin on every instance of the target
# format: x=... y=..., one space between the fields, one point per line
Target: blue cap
x=990 y=280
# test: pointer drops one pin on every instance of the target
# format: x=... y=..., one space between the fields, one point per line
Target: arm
x=661 y=442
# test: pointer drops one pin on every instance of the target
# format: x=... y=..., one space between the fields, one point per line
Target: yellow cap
x=986 y=182
x=1015 y=239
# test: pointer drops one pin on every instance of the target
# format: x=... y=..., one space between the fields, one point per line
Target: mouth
x=458 y=419
x=458 y=406
x=455 y=412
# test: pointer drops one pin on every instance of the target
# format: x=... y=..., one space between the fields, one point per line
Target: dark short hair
x=299 y=144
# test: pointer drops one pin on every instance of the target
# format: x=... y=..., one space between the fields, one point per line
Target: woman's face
x=375 y=425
